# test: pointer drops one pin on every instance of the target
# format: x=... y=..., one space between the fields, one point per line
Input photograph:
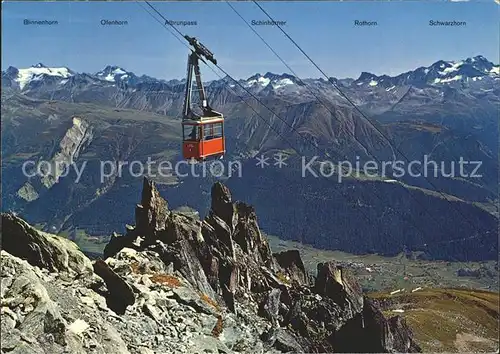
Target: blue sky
x=402 y=41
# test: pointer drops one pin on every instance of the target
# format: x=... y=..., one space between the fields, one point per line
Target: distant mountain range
x=440 y=73
x=466 y=80
x=455 y=94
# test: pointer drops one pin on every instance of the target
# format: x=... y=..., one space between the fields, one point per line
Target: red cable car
x=202 y=135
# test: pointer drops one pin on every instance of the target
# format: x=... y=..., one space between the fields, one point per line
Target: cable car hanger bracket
x=203 y=135
x=200 y=52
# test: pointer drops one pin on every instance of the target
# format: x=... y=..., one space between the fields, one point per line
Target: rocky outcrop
x=378 y=333
x=222 y=204
x=338 y=284
x=44 y=313
x=120 y=293
x=225 y=255
x=77 y=137
x=291 y=262
x=178 y=284
x=152 y=213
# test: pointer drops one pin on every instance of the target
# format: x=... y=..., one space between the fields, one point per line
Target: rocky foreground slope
x=175 y=284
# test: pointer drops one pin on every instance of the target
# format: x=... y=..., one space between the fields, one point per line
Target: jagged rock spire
x=222 y=204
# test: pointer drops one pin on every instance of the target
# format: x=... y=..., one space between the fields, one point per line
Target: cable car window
x=208 y=131
x=191 y=132
x=217 y=133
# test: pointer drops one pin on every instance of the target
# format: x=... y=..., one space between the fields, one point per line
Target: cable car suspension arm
x=199 y=52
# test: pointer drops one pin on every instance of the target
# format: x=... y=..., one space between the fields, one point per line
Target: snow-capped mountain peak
x=367 y=78
x=282 y=83
x=441 y=72
x=475 y=68
x=275 y=80
x=37 y=72
x=258 y=80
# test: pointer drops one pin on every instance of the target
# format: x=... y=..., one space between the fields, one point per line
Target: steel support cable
x=291 y=70
x=181 y=41
x=283 y=61
x=354 y=105
x=220 y=77
x=299 y=79
x=416 y=227
x=229 y=76
x=257 y=99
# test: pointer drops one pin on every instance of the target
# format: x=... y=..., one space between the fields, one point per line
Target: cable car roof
x=203 y=120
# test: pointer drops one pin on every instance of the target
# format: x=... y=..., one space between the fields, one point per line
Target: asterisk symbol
x=216 y=169
x=262 y=161
x=280 y=160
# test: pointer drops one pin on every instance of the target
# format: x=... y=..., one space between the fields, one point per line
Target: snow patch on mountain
x=442 y=81
x=282 y=83
x=261 y=80
x=454 y=67
x=36 y=72
x=271 y=82
x=109 y=77
x=112 y=74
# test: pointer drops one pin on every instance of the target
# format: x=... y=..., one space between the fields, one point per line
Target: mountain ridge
x=473 y=68
x=180 y=284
